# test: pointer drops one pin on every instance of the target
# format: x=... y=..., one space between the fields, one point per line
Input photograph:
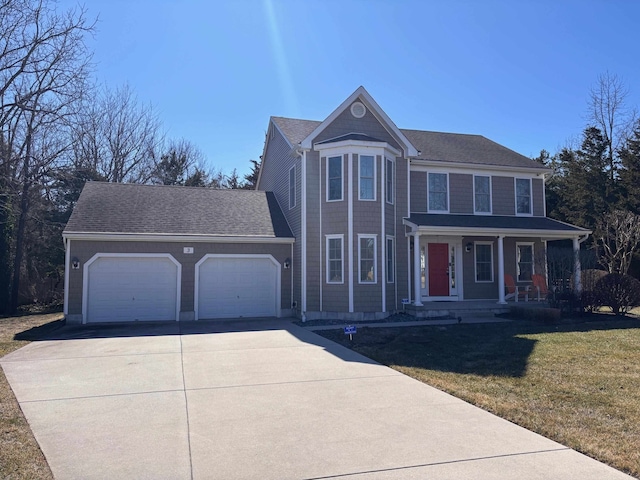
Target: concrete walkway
x=264 y=400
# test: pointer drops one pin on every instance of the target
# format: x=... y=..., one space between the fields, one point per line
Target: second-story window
x=438 y=196
x=523 y=196
x=367 y=177
x=389 y=180
x=334 y=178
x=482 y=194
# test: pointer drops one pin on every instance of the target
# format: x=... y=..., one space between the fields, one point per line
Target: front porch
x=467 y=308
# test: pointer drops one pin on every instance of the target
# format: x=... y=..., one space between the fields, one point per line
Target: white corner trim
x=350 y=230
x=88 y=263
x=303 y=234
x=67 y=259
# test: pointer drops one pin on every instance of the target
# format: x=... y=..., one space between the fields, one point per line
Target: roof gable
x=400 y=140
x=172 y=210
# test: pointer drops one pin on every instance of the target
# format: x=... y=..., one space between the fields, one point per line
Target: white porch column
x=577 y=268
x=501 y=299
x=416 y=274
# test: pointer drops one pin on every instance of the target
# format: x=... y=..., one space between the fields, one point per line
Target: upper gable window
x=482 y=194
x=523 y=196
x=334 y=178
x=367 y=171
x=389 y=180
x=292 y=187
x=438 y=192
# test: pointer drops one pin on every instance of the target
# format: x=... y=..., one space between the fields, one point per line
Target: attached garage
x=229 y=286
x=131 y=287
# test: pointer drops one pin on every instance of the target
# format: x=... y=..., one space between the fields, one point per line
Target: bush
x=619 y=292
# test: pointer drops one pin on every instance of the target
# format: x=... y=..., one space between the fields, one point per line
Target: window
x=292 y=187
x=482 y=194
x=437 y=192
x=335 y=270
x=390 y=256
x=367 y=171
x=523 y=196
x=524 y=260
x=367 y=258
x=334 y=178
x=389 y=181
x=484 y=261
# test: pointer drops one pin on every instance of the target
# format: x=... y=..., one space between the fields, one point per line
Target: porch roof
x=443 y=224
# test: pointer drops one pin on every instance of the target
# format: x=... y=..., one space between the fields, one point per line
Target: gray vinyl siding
x=84 y=250
x=418 y=192
x=538 y=197
x=313 y=232
x=274 y=178
x=461 y=193
x=475 y=291
x=503 y=196
x=346 y=123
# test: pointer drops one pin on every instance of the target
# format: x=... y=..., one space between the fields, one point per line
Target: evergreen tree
x=630 y=171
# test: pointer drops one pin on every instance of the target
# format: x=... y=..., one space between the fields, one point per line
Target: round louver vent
x=358 y=110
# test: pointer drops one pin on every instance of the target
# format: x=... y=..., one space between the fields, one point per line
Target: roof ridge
x=186 y=187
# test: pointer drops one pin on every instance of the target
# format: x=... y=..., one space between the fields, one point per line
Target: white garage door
x=126 y=289
x=231 y=287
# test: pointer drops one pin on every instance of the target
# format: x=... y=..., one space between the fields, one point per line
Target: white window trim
x=389 y=192
x=391 y=271
x=327 y=264
x=448 y=193
x=341 y=157
x=490 y=212
x=375 y=259
x=515 y=193
x=475 y=262
x=533 y=262
x=295 y=187
x=375 y=177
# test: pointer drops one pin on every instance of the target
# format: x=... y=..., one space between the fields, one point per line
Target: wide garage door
x=131 y=288
x=231 y=287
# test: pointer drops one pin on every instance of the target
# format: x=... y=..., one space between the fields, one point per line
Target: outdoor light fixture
x=468 y=247
x=287 y=263
x=75 y=263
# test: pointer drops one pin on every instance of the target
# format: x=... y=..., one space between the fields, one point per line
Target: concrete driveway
x=262 y=400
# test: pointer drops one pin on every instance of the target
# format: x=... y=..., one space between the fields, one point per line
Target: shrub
x=619 y=292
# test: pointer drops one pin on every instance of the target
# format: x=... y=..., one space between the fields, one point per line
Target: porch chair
x=513 y=291
x=540 y=285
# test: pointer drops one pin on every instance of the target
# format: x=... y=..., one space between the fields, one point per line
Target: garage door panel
x=231 y=287
x=132 y=288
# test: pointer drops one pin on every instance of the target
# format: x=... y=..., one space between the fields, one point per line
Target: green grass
x=576 y=384
x=20 y=455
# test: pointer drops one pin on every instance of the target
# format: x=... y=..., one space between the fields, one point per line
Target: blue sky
x=517 y=72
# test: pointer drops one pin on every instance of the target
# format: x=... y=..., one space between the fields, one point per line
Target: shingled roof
x=172 y=210
x=433 y=146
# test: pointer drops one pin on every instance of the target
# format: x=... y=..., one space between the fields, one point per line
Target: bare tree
x=117 y=137
x=609 y=112
x=618 y=237
x=44 y=65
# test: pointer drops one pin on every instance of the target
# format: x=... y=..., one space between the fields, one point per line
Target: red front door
x=438 y=269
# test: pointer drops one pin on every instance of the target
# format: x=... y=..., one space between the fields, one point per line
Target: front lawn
x=20 y=455
x=576 y=384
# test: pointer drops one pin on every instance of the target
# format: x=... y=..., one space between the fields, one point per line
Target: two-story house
x=382 y=214
x=352 y=216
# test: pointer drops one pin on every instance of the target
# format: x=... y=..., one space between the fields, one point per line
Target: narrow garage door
x=125 y=289
x=231 y=287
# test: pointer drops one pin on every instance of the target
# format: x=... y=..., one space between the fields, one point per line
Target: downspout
x=303 y=237
x=383 y=238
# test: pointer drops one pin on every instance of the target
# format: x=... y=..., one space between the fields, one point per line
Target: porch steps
x=465 y=309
